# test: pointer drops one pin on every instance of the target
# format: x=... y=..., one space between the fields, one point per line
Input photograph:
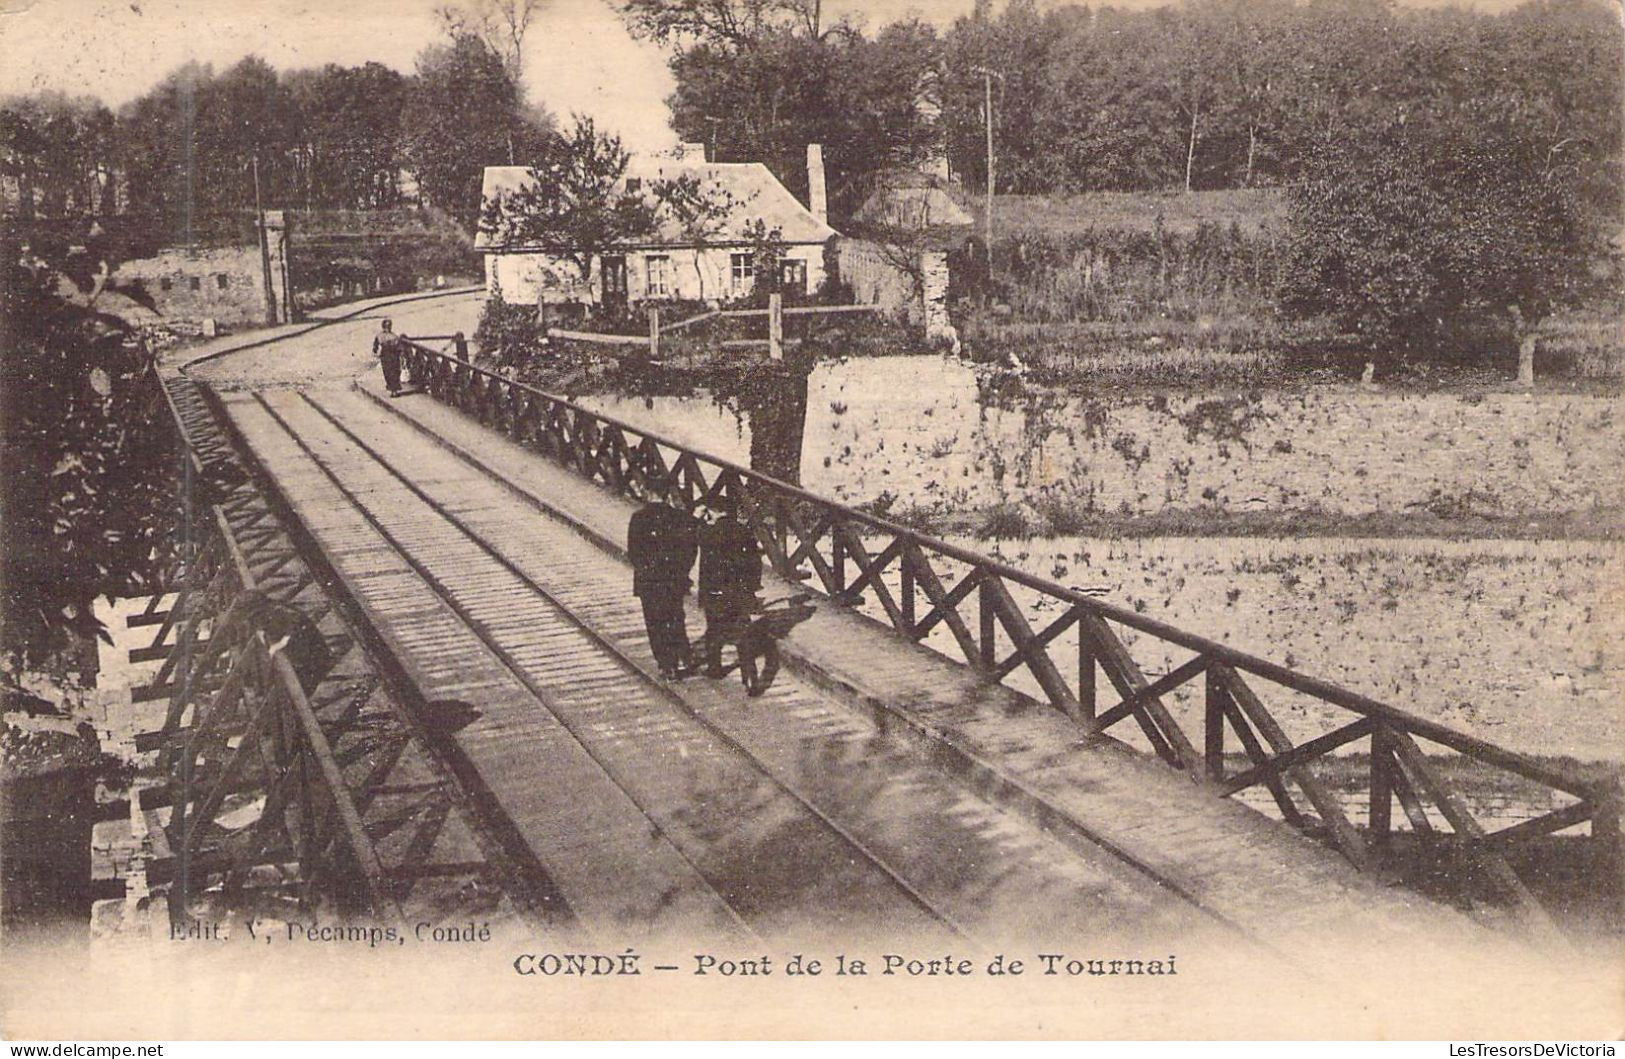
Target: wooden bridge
x=404 y=632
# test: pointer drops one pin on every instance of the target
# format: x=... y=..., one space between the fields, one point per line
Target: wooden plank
x=907 y=603
x=1381 y=813
x=1156 y=689
x=1213 y=727
x=1303 y=752
x=1461 y=821
x=692 y=320
x=1557 y=820
x=1152 y=717
x=1030 y=649
x=775 y=326
x=1039 y=639
x=226 y=780
x=988 y=629
x=154 y=653
x=1343 y=833
x=1409 y=802
x=1087 y=665
x=943 y=602
x=869 y=570
x=600 y=339
x=818 y=310
x=1257 y=755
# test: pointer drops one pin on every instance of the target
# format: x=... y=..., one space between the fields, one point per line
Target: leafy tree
x=728 y=24
x=696 y=211
x=463 y=114
x=871 y=103
x=1436 y=231
x=85 y=472
x=578 y=203
x=347 y=152
x=191 y=144
x=510 y=333
x=60 y=152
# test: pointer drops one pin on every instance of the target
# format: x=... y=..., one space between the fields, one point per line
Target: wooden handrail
x=798 y=528
x=1571 y=781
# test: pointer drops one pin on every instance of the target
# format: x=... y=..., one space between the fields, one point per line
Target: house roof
x=755 y=194
x=916 y=206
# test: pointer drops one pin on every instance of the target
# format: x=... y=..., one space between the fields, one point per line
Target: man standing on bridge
x=661 y=541
x=386 y=346
x=730 y=577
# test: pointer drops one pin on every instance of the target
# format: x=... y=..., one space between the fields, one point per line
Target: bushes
x=86 y=480
x=1115 y=274
x=509 y=333
x=1428 y=237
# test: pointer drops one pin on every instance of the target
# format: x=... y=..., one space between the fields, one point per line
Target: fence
x=238 y=668
x=846 y=552
x=774 y=314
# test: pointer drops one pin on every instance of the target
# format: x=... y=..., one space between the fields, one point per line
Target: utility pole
x=265 y=247
x=987 y=121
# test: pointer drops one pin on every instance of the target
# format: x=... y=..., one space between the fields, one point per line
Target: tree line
x=334 y=137
x=1208 y=94
x=1453 y=174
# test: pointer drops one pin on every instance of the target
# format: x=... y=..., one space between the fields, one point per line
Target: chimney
x=816 y=202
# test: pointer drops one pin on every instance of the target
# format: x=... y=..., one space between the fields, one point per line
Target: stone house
x=193 y=288
x=670 y=264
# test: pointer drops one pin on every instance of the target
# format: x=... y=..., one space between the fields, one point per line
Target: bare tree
x=501 y=24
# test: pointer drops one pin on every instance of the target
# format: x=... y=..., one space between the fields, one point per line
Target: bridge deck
x=943 y=803
x=663 y=808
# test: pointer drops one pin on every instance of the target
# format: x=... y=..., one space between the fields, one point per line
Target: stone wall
x=874 y=279
x=189 y=285
x=1516 y=642
x=919 y=429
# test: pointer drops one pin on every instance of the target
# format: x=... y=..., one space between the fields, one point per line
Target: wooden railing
x=239 y=721
x=922 y=585
x=773 y=341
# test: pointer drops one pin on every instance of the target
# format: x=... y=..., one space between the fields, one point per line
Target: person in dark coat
x=661 y=541
x=730 y=577
x=386 y=346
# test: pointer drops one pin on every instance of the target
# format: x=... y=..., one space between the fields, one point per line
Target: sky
x=578 y=54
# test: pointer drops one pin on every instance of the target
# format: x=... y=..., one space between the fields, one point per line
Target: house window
x=659 y=269
x=220 y=281
x=793 y=275
x=634 y=184
x=742 y=270
x=196 y=283
x=166 y=283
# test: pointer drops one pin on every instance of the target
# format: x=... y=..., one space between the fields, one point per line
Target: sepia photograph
x=812 y=520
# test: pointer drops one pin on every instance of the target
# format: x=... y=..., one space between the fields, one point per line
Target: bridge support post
x=1382 y=787
x=1213 y=726
x=654 y=332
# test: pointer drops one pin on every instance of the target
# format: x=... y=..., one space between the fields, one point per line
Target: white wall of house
x=526 y=279
x=708 y=274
